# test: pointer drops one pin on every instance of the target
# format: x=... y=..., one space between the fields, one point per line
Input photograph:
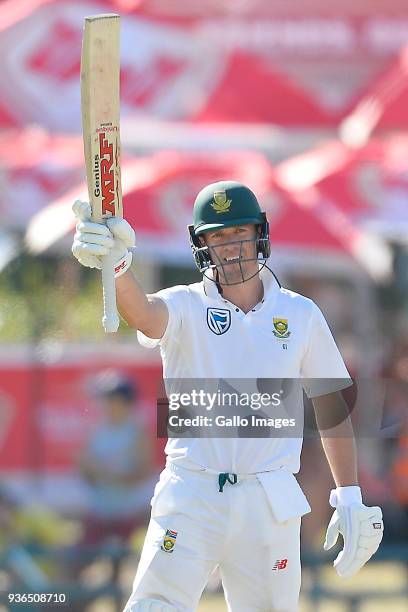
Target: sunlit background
x=306 y=102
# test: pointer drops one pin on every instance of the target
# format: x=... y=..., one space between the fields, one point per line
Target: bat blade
x=100 y=105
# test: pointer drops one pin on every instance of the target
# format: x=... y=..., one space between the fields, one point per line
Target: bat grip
x=110 y=319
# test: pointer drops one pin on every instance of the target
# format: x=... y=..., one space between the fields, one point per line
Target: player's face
x=233 y=251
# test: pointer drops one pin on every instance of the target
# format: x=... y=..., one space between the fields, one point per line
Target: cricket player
x=234 y=502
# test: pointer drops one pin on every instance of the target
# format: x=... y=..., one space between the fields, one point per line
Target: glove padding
x=362 y=529
x=92 y=241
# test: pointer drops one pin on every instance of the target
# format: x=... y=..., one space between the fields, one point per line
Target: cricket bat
x=100 y=104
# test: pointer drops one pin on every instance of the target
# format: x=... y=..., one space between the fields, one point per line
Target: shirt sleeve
x=323 y=370
x=174 y=298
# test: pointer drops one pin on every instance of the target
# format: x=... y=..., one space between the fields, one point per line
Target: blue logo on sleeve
x=218 y=320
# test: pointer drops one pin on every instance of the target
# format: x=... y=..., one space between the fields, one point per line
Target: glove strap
x=345 y=496
x=123 y=264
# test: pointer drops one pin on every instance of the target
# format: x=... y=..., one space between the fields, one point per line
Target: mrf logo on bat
x=104 y=169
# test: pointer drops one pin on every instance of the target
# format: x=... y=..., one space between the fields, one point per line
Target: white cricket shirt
x=284 y=337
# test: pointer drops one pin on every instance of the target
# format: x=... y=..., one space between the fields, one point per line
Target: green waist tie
x=225 y=477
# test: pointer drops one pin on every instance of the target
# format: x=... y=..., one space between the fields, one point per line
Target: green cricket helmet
x=226 y=204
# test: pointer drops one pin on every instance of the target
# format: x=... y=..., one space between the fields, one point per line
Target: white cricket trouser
x=259 y=558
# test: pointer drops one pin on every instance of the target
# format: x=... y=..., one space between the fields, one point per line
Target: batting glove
x=92 y=241
x=362 y=529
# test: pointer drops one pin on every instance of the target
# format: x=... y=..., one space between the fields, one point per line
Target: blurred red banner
x=286 y=63
x=48 y=411
x=368 y=184
x=382 y=106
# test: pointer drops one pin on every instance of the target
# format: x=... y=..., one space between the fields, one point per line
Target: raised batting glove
x=92 y=241
x=362 y=529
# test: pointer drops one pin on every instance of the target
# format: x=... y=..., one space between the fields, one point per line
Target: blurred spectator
x=400 y=473
x=399 y=452
x=18 y=564
x=384 y=458
x=28 y=534
x=116 y=463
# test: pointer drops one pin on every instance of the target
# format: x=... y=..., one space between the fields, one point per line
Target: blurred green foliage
x=50 y=297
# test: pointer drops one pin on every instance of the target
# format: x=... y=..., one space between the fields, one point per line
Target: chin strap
x=217 y=282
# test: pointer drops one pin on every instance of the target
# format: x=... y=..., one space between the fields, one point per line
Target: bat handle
x=110 y=319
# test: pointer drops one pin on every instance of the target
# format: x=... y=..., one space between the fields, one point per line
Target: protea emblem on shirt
x=169 y=540
x=281 y=328
x=221 y=204
x=218 y=320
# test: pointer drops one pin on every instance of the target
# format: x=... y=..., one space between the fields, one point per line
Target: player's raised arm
x=92 y=241
x=147 y=313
